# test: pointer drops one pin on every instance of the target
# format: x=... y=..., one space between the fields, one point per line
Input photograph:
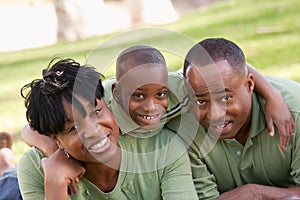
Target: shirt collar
x=258 y=123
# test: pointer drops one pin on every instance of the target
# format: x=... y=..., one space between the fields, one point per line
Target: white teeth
x=149 y=117
x=100 y=144
x=221 y=127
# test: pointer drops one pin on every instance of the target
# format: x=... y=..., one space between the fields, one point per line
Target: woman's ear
x=58 y=142
x=116 y=92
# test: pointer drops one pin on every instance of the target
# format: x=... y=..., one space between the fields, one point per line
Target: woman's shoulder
x=31 y=157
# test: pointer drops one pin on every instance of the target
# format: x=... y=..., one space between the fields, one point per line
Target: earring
x=66 y=153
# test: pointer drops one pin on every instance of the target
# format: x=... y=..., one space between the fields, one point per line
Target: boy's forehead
x=144 y=74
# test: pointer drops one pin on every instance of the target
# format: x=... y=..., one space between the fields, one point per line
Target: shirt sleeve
x=177 y=182
x=30 y=175
x=204 y=181
x=295 y=165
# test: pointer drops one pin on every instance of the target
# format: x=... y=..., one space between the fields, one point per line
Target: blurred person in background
x=9 y=188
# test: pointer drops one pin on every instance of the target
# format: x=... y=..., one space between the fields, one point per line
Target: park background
x=268 y=31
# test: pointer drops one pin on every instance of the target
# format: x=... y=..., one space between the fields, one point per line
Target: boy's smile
x=147 y=104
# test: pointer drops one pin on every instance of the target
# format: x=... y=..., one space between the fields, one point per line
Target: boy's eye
x=162 y=94
x=137 y=96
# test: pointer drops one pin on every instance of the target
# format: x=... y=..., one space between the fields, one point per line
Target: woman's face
x=93 y=137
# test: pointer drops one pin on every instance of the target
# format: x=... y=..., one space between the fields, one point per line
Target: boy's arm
x=276 y=109
x=44 y=143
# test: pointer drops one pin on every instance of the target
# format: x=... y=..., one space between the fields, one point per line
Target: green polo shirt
x=178 y=105
x=148 y=171
x=259 y=161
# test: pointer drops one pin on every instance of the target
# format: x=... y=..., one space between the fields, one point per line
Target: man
x=232 y=144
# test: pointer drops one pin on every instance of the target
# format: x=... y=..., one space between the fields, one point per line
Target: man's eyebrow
x=215 y=92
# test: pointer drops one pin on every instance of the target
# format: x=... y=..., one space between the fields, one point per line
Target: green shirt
x=151 y=168
x=178 y=106
x=259 y=161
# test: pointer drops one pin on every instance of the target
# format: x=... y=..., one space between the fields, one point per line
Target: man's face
x=144 y=94
x=222 y=99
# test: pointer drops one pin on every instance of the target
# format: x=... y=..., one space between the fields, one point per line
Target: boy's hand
x=279 y=114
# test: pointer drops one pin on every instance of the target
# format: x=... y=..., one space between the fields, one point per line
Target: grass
x=267 y=30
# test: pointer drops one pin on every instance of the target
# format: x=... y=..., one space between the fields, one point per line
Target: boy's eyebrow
x=162 y=87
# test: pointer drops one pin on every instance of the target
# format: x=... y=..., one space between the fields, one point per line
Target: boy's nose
x=150 y=105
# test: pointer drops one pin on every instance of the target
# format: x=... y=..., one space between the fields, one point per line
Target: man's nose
x=217 y=112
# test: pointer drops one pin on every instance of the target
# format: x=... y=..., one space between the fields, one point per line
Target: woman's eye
x=73 y=128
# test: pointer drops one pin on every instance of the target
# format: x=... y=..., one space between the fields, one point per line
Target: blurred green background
x=268 y=31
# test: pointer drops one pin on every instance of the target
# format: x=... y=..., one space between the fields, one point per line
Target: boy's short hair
x=138 y=55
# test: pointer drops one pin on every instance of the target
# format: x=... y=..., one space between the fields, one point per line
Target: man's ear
x=250 y=82
x=116 y=92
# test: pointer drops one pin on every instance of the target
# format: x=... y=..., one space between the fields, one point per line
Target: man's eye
x=200 y=102
x=226 y=98
x=97 y=111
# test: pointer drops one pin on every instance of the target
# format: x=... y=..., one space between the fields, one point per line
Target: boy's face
x=222 y=99
x=92 y=138
x=143 y=94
